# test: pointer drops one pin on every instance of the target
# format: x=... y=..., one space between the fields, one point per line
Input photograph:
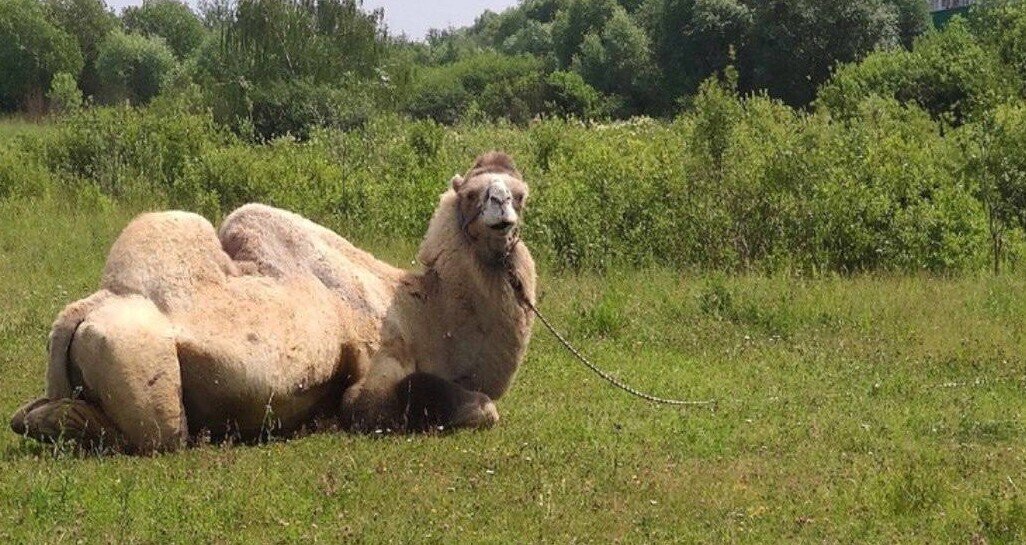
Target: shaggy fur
x=275 y=321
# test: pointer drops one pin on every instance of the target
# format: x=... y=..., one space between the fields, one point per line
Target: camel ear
x=456 y=182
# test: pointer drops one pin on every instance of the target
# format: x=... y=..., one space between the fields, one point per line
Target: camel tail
x=58 y=376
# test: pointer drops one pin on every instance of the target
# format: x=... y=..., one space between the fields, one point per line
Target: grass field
x=869 y=409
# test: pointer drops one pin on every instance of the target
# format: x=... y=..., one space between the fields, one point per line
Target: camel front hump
x=167 y=257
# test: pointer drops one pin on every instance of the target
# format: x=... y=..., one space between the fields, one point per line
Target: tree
x=795 y=43
x=1001 y=26
x=332 y=46
x=575 y=20
x=998 y=162
x=949 y=74
x=133 y=67
x=171 y=20
x=913 y=20
x=692 y=39
x=64 y=96
x=326 y=41
x=32 y=50
x=90 y=22
x=617 y=61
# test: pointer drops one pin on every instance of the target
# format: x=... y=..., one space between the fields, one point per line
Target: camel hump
x=166 y=257
x=493 y=162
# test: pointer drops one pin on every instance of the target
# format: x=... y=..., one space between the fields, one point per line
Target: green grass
x=11 y=127
x=867 y=409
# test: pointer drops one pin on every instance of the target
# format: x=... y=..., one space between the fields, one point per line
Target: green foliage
x=795 y=43
x=90 y=22
x=948 y=73
x=171 y=20
x=735 y=184
x=133 y=67
x=574 y=20
x=123 y=150
x=280 y=67
x=1001 y=27
x=32 y=50
x=327 y=41
x=997 y=151
x=568 y=95
x=64 y=96
x=617 y=61
x=501 y=86
x=22 y=173
x=692 y=39
x=296 y=107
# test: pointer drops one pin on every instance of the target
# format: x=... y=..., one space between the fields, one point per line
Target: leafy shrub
x=568 y=95
x=501 y=86
x=22 y=174
x=132 y=67
x=65 y=96
x=110 y=147
x=737 y=184
x=295 y=108
x=948 y=73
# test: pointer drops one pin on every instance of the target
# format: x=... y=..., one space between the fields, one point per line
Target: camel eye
x=518 y=200
x=473 y=195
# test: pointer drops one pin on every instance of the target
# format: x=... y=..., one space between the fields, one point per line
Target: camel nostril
x=502 y=226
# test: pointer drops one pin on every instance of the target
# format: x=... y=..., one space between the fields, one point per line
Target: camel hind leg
x=124 y=353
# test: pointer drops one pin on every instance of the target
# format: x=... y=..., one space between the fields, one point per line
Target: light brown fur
x=275 y=320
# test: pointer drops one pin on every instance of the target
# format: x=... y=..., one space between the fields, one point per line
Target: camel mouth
x=502 y=226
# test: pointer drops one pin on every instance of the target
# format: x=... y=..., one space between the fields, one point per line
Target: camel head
x=490 y=199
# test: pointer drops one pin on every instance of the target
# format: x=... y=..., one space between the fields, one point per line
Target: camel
x=274 y=323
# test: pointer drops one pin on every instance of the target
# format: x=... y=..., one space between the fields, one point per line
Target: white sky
x=411 y=17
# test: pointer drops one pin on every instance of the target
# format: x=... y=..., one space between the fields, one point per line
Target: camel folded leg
x=389 y=398
x=67 y=419
x=126 y=353
x=430 y=402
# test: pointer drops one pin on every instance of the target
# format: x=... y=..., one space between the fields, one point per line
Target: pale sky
x=411 y=17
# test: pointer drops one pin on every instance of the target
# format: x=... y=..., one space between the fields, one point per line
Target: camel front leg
x=430 y=402
x=395 y=398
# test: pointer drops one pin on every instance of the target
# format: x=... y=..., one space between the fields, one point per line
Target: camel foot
x=49 y=421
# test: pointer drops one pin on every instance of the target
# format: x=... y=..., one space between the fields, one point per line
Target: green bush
x=949 y=74
x=501 y=86
x=22 y=173
x=132 y=67
x=114 y=147
x=171 y=20
x=64 y=96
x=296 y=107
x=737 y=184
